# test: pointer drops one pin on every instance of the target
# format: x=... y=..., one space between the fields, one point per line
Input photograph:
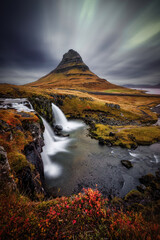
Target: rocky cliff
x=20 y=159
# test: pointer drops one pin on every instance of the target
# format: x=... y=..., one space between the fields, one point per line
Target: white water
x=55 y=144
x=19 y=104
x=136 y=155
x=156 y=158
x=60 y=119
x=52 y=146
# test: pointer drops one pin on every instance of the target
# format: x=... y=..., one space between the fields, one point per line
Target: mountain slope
x=73 y=73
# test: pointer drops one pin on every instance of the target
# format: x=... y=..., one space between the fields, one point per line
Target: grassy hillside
x=99 y=111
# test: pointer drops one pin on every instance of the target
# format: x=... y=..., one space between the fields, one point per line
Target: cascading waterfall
x=59 y=116
x=55 y=144
x=60 y=119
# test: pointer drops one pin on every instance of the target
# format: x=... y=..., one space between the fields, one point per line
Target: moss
x=127 y=136
x=17 y=161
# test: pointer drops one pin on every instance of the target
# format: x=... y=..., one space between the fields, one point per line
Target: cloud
x=118 y=40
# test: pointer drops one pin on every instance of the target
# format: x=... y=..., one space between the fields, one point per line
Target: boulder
x=126 y=163
x=58 y=127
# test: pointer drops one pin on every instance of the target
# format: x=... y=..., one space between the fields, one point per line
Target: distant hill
x=73 y=73
x=141 y=86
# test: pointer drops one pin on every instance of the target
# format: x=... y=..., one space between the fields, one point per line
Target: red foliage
x=83 y=216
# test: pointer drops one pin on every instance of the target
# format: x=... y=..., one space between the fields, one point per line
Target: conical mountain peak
x=72 y=73
x=70 y=60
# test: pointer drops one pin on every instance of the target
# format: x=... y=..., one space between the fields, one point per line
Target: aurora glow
x=118 y=40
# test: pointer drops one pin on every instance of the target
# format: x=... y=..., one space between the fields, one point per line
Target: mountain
x=73 y=73
x=141 y=86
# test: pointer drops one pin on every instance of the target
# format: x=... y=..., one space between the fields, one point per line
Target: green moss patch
x=128 y=136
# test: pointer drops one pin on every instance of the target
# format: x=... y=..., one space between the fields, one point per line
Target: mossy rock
x=133 y=195
x=147 y=179
x=18 y=162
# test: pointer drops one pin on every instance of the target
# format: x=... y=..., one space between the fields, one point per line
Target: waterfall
x=59 y=116
x=60 y=119
x=53 y=145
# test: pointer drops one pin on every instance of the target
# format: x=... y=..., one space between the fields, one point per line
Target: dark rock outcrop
x=126 y=163
x=43 y=106
x=70 y=60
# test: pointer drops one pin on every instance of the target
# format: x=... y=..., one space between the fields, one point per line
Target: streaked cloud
x=118 y=40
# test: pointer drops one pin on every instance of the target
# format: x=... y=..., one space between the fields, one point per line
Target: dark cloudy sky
x=118 y=39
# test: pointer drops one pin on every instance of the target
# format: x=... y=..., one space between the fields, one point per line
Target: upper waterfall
x=60 y=119
x=59 y=116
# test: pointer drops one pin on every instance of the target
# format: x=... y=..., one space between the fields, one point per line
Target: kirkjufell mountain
x=73 y=73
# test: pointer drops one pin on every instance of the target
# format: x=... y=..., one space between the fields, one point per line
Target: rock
x=7 y=183
x=126 y=163
x=101 y=141
x=111 y=134
x=112 y=105
x=58 y=127
x=65 y=134
x=43 y=106
x=26 y=183
x=71 y=60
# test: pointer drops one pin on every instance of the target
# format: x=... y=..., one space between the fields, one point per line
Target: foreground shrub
x=84 y=216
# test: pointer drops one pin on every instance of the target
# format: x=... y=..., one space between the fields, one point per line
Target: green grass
x=123 y=90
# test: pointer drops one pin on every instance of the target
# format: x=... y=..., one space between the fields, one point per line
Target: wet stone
x=126 y=163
